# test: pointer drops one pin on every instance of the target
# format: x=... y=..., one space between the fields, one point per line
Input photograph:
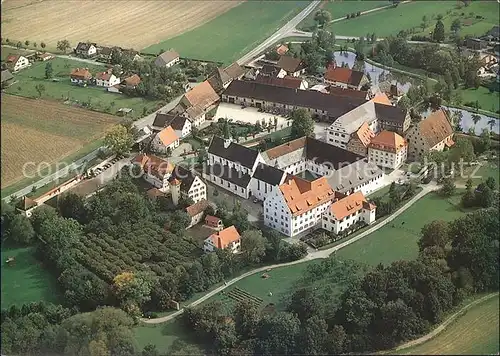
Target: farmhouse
x=106 y=79
x=85 y=49
x=476 y=44
x=80 y=76
x=352 y=93
x=196 y=102
x=191 y=185
x=222 y=77
x=129 y=82
x=16 y=62
x=347 y=212
x=196 y=212
x=270 y=97
x=45 y=56
x=165 y=141
x=286 y=82
x=431 y=134
x=179 y=122
x=228 y=238
x=157 y=171
x=345 y=77
x=105 y=53
x=292 y=66
x=388 y=150
x=167 y=59
x=272 y=71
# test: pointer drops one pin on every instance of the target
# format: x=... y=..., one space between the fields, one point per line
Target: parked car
x=255 y=200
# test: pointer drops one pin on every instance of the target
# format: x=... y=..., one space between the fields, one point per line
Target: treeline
x=387 y=306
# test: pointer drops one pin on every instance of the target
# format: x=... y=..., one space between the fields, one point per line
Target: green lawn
x=389 y=22
x=489 y=101
x=487 y=170
x=7 y=51
x=474 y=333
x=26 y=280
x=234 y=33
x=340 y=9
x=100 y=100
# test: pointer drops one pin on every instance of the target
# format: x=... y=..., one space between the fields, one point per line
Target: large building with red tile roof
x=345 y=77
x=165 y=141
x=388 y=150
x=431 y=134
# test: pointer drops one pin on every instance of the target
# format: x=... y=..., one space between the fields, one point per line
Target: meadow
x=61 y=88
x=488 y=100
x=371 y=250
x=135 y=24
x=25 y=280
x=474 y=333
x=234 y=33
x=37 y=130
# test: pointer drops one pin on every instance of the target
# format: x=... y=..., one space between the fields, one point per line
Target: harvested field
x=130 y=23
x=44 y=131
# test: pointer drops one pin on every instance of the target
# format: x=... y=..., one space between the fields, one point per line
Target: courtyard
x=249 y=115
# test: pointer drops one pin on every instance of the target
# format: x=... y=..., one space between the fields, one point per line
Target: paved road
x=312 y=255
x=280 y=33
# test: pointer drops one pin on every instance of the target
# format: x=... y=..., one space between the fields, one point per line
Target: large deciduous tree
x=119 y=139
x=302 y=123
x=253 y=246
x=322 y=17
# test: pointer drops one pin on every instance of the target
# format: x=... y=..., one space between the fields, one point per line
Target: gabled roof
x=291 y=64
x=234 y=152
x=350 y=204
x=388 y=141
x=390 y=113
x=154 y=193
x=84 y=46
x=287 y=81
x=337 y=91
x=81 y=73
x=285 y=148
x=167 y=136
x=154 y=165
x=229 y=174
x=13 y=58
x=364 y=134
x=353 y=175
x=269 y=174
x=212 y=220
x=175 y=120
x=197 y=208
x=235 y=70
x=352 y=120
x=132 y=81
x=302 y=195
x=269 y=69
x=185 y=175
x=202 y=95
x=225 y=237
x=381 y=98
x=435 y=128
x=322 y=152
x=335 y=107
x=26 y=204
x=344 y=75
x=104 y=75
x=282 y=49
x=166 y=57
x=6 y=75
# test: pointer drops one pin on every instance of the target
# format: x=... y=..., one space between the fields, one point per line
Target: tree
x=133 y=287
x=43 y=45
x=49 y=71
x=476 y=118
x=491 y=183
x=253 y=246
x=19 y=229
x=246 y=319
x=72 y=205
x=63 y=45
x=119 y=140
x=456 y=25
x=83 y=289
x=436 y=233
x=313 y=337
x=277 y=335
x=404 y=103
x=438 y=33
x=322 y=17
x=304 y=304
x=448 y=188
x=19 y=44
x=302 y=123
x=40 y=88
x=463 y=149
x=484 y=196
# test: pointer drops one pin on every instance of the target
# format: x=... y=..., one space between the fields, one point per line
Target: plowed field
x=38 y=131
x=127 y=23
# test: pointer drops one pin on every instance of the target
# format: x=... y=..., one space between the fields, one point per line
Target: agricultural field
x=474 y=333
x=488 y=100
x=403 y=17
x=234 y=33
x=132 y=24
x=340 y=9
x=60 y=88
x=25 y=280
x=44 y=131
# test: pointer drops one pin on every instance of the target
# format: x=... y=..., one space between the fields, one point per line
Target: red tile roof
x=350 y=204
x=197 y=208
x=167 y=136
x=388 y=141
x=338 y=74
x=302 y=195
x=224 y=237
x=212 y=220
x=81 y=73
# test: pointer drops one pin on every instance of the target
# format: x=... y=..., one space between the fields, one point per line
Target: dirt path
x=442 y=326
x=311 y=256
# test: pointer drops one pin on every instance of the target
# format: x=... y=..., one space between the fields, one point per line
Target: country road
x=312 y=255
x=280 y=33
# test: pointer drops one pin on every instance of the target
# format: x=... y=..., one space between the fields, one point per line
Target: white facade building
x=345 y=212
x=388 y=150
x=166 y=140
x=228 y=238
x=106 y=79
x=17 y=62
